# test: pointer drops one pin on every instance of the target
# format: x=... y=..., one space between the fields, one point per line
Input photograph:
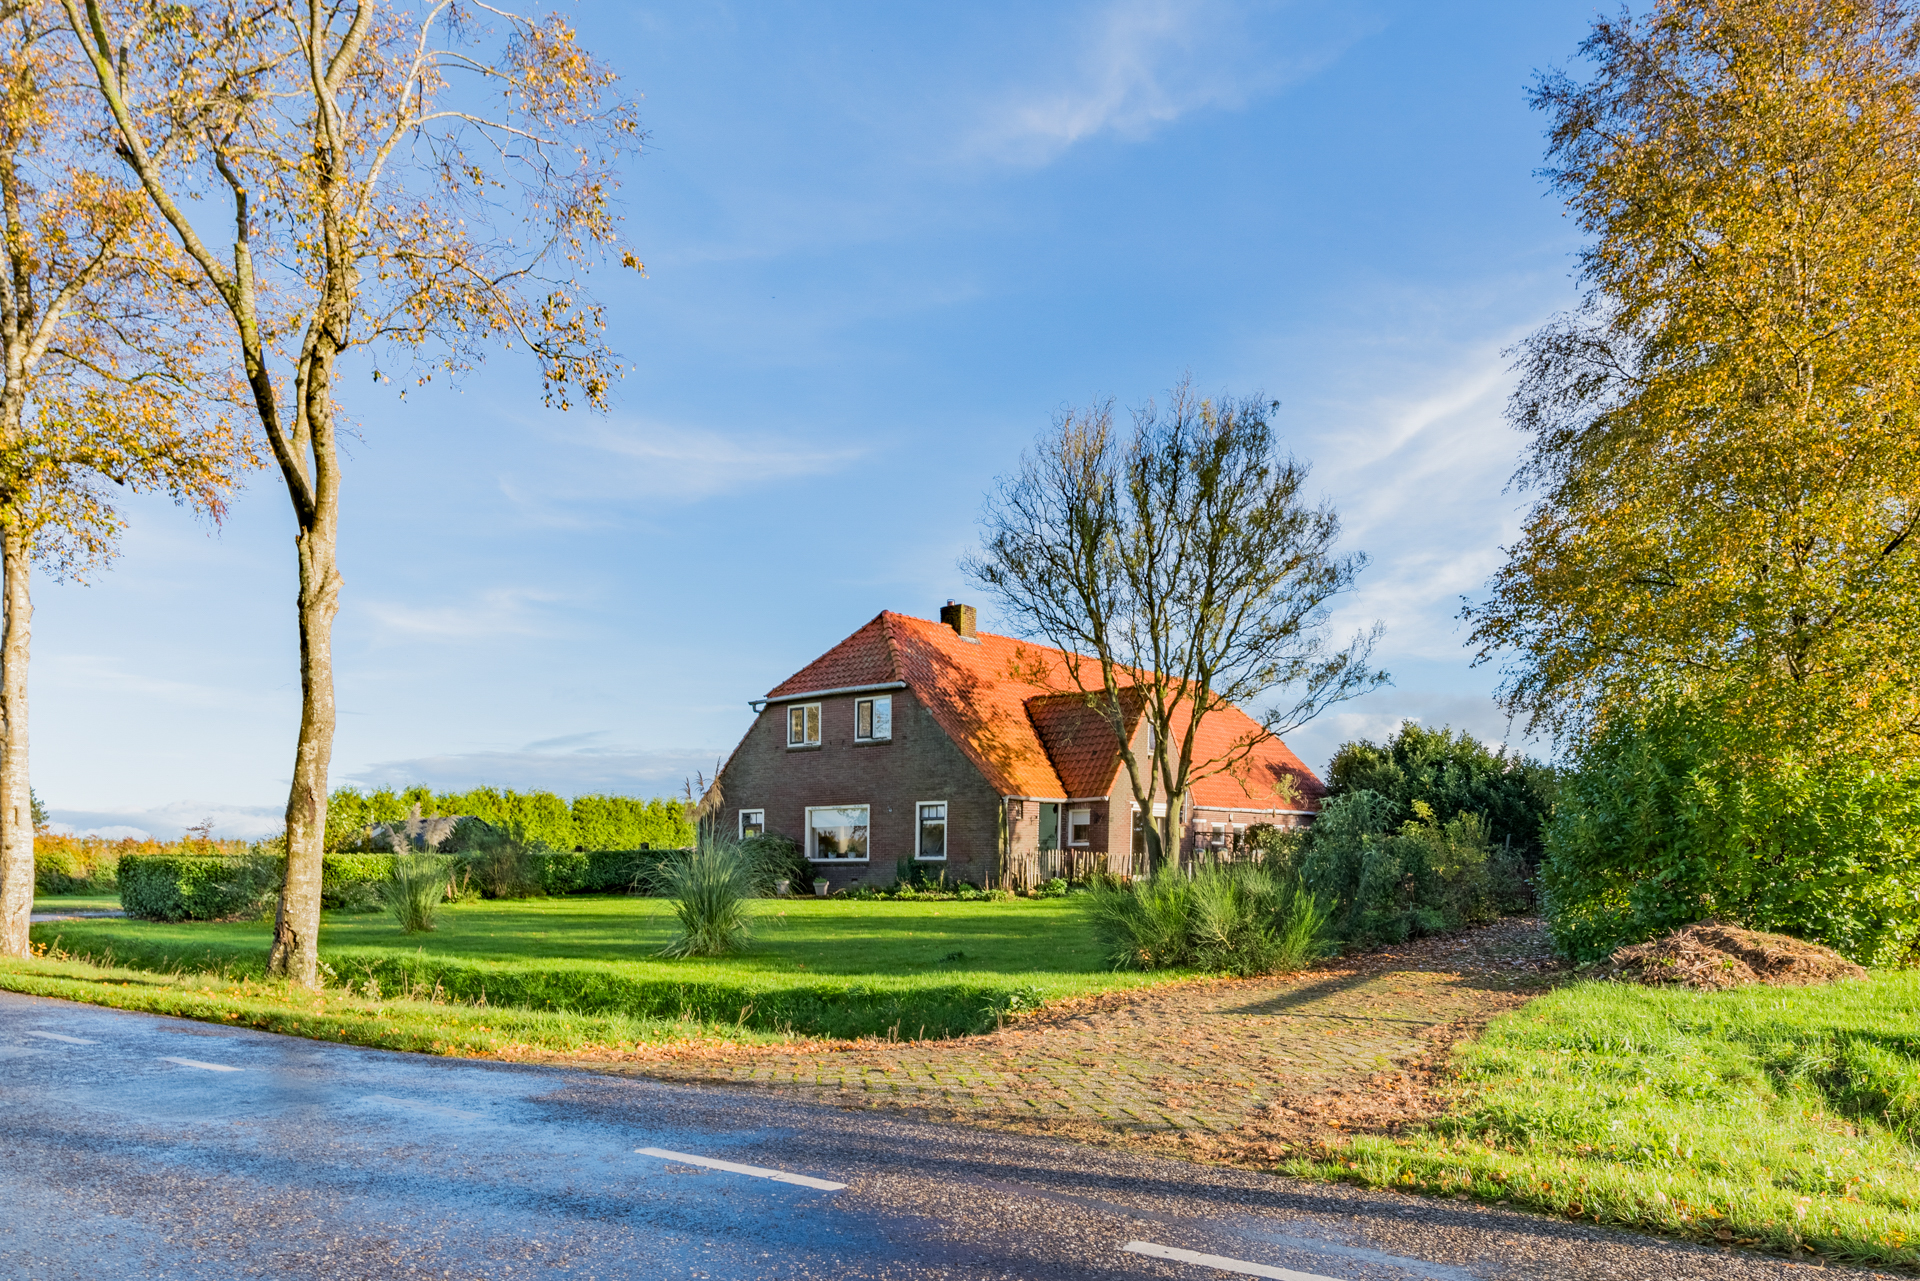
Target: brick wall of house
x=919 y=763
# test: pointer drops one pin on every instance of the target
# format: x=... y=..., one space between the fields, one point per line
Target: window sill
x=929 y=858
x=803 y=747
x=836 y=862
x=871 y=742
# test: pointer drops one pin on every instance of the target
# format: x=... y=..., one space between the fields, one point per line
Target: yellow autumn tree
x=1725 y=437
x=112 y=374
x=434 y=177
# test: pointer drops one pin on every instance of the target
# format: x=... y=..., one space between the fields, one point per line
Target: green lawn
x=816 y=967
x=1785 y=1118
x=76 y=903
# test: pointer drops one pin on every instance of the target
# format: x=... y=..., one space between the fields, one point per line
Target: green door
x=1049 y=827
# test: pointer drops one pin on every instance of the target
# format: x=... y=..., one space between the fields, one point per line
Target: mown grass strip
x=840 y=970
x=420 y=1026
x=1781 y=1119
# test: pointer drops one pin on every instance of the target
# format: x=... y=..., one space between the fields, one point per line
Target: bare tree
x=432 y=176
x=111 y=372
x=1181 y=571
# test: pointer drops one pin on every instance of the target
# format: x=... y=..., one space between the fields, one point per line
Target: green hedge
x=172 y=887
x=169 y=887
x=592 y=823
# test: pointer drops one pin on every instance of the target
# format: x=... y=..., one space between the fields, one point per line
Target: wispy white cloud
x=170 y=822
x=99 y=674
x=615 y=463
x=570 y=765
x=1142 y=64
x=499 y=611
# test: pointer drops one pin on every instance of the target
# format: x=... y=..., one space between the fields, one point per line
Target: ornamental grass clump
x=414 y=890
x=712 y=886
x=1228 y=918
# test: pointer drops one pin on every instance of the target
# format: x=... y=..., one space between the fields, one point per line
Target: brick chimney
x=958 y=617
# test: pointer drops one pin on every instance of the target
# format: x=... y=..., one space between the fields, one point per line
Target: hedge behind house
x=591 y=823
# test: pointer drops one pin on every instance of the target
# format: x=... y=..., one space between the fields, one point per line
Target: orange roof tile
x=999 y=700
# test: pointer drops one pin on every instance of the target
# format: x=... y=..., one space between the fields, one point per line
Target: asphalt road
x=137 y=1147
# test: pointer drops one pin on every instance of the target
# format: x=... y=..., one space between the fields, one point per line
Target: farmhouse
x=929 y=742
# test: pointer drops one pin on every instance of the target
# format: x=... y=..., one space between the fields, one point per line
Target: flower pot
x=783 y=889
x=820 y=889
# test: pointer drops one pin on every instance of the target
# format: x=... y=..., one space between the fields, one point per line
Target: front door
x=1049 y=827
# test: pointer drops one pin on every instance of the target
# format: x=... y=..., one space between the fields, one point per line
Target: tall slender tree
x=111 y=371
x=1182 y=570
x=1725 y=438
x=435 y=177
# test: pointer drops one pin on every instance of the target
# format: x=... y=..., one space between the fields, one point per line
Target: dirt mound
x=1711 y=956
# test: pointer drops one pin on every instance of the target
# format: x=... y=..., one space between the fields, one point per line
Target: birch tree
x=111 y=373
x=1182 y=570
x=430 y=177
x=1724 y=440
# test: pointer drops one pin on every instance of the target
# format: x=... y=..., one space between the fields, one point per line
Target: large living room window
x=837 y=832
x=803 y=725
x=873 y=719
x=932 y=842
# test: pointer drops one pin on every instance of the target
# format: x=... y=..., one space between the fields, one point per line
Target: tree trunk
x=16 y=794
x=296 y=928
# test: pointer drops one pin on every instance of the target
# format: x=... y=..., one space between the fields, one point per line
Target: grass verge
x=423 y=1026
x=1779 y=1118
x=833 y=969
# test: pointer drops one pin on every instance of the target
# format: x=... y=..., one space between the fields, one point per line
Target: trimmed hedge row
x=172 y=887
x=586 y=822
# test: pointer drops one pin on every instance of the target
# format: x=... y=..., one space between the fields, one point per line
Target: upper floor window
x=873 y=719
x=803 y=725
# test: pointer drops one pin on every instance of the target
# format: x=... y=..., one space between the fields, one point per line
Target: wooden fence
x=1026 y=870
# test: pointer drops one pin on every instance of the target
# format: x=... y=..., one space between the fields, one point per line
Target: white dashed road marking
x=55 y=1036
x=196 y=1063
x=778 y=1176
x=421 y=1107
x=1221 y=1262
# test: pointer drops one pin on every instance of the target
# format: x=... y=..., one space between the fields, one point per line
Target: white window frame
x=1078 y=818
x=812 y=849
x=807 y=712
x=946 y=831
x=759 y=821
x=875 y=703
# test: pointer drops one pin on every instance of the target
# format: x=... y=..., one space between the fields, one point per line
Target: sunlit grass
x=1771 y=1117
x=833 y=967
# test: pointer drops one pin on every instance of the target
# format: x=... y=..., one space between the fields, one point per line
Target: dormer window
x=873 y=719
x=803 y=725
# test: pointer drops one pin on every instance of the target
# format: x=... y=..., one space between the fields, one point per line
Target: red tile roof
x=999 y=700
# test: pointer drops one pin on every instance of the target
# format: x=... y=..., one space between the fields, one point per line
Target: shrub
x=1665 y=822
x=1388 y=881
x=351 y=882
x=712 y=887
x=1453 y=773
x=168 y=887
x=1234 y=918
x=415 y=886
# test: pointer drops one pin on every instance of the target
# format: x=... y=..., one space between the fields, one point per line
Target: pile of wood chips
x=1712 y=956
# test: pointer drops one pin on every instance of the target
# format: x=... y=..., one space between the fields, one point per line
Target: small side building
x=955 y=749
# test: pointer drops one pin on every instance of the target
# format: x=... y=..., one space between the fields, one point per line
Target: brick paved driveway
x=1180 y=1062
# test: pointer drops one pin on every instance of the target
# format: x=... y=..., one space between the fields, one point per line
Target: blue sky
x=884 y=245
